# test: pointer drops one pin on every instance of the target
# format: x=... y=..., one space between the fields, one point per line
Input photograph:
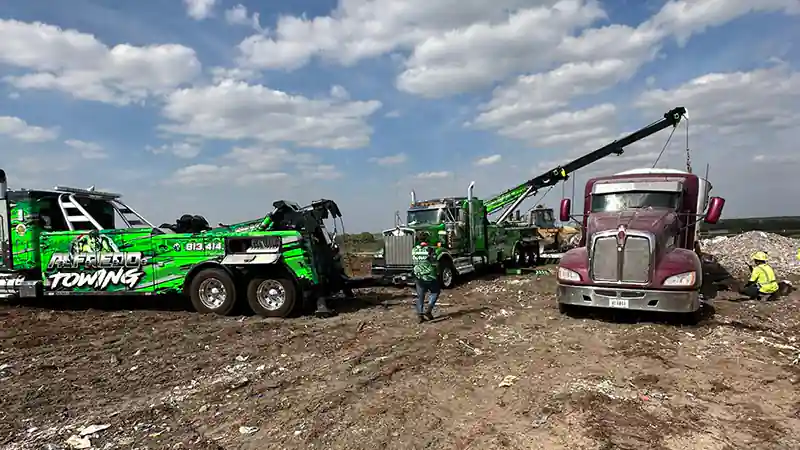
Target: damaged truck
x=640 y=247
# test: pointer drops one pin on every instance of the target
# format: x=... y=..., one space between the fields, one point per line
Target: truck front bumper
x=635 y=299
x=396 y=276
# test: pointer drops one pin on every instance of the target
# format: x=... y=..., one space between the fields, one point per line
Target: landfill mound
x=734 y=252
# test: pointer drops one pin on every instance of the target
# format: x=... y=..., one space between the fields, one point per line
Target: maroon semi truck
x=639 y=246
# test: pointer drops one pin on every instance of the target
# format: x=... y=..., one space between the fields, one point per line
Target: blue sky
x=189 y=107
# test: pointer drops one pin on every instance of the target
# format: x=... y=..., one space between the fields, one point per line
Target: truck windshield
x=543 y=218
x=423 y=216
x=621 y=201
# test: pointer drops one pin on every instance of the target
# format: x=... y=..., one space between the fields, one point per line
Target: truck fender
x=444 y=255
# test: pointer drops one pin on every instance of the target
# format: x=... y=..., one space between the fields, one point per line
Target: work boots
x=322 y=308
x=428 y=312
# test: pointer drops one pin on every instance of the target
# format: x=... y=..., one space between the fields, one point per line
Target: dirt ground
x=501 y=368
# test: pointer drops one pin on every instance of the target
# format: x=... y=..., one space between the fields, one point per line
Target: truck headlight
x=568 y=275
x=681 y=279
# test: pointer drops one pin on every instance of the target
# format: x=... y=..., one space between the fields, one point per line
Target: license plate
x=618 y=303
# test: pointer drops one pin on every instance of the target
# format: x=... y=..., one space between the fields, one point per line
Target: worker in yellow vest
x=762 y=279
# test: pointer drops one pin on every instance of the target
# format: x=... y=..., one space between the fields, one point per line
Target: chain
x=688 y=153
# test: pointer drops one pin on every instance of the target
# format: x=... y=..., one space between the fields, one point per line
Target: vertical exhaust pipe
x=413 y=197
x=3 y=185
x=471 y=219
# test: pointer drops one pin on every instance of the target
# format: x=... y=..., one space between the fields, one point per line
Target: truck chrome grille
x=397 y=250
x=635 y=262
x=604 y=259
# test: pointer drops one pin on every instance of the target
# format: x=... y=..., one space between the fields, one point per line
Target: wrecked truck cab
x=638 y=247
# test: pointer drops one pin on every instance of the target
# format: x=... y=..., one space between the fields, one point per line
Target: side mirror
x=715 y=206
x=565 y=213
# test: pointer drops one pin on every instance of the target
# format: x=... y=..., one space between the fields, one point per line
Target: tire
x=272 y=296
x=531 y=257
x=692 y=318
x=518 y=257
x=448 y=282
x=213 y=291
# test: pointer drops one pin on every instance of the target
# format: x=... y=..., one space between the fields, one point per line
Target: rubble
x=733 y=252
x=500 y=352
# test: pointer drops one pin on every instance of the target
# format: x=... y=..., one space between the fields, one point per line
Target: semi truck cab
x=638 y=250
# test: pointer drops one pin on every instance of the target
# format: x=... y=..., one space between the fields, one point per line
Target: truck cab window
x=543 y=218
x=621 y=201
x=423 y=216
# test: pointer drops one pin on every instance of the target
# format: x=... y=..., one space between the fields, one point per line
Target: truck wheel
x=213 y=291
x=271 y=297
x=448 y=275
x=518 y=257
x=692 y=318
x=531 y=257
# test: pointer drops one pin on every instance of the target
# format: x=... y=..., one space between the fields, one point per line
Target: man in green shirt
x=426 y=273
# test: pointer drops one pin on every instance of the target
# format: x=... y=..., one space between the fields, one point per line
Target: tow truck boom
x=516 y=195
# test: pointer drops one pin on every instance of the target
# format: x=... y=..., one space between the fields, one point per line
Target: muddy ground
x=501 y=368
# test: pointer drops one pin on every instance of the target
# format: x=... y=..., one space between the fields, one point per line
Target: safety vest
x=424 y=264
x=764 y=277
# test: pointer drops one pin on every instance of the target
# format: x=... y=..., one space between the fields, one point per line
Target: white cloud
x=87 y=150
x=393 y=114
x=460 y=46
x=433 y=175
x=489 y=160
x=81 y=66
x=250 y=165
x=20 y=130
x=199 y=9
x=218 y=74
x=238 y=16
x=339 y=92
x=321 y=172
x=356 y=30
x=391 y=160
x=687 y=17
x=186 y=150
x=563 y=128
x=522 y=102
x=236 y=110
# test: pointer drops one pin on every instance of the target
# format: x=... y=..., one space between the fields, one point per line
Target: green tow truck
x=468 y=240
x=72 y=242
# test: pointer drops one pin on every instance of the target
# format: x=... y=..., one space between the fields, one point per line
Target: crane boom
x=516 y=195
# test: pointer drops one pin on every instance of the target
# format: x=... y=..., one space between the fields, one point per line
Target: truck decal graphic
x=95 y=270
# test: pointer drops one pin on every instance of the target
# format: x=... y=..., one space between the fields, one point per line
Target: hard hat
x=424 y=244
x=759 y=256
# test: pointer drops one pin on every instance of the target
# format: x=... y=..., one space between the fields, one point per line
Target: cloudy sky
x=217 y=107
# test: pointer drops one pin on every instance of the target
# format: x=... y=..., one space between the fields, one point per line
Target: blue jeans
x=433 y=290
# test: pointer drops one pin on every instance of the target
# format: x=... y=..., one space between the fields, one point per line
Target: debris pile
x=734 y=252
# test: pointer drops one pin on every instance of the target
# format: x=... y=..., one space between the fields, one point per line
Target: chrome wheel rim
x=447 y=276
x=212 y=293
x=271 y=295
